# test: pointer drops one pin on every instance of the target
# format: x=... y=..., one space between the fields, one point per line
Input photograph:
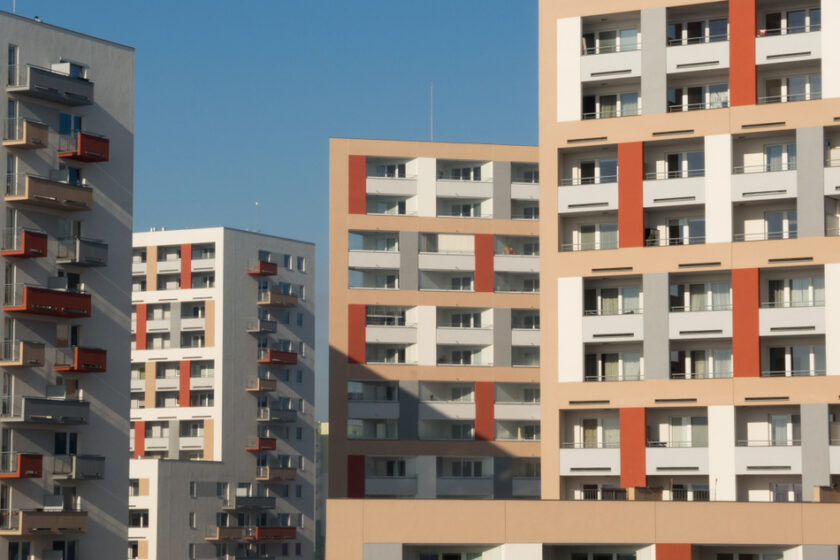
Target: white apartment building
x=222 y=393
x=67 y=140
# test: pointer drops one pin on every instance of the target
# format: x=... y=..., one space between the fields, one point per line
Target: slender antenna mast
x=257 y=217
x=14 y=6
x=431 y=111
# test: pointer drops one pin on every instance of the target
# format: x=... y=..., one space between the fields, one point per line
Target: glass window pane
x=816 y=20
x=699 y=431
x=697 y=297
x=674 y=32
x=696 y=230
x=815 y=86
x=609 y=104
x=773 y=90
x=722 y=362
x=587 y=237
x=776 y=291
x=609 y=301
x=800 y=360
x=696 y=163
x=589 y=43
x=628 y=39
x=799 y=295
x=819 y=360
x=631 y=362
x=609 y=236
x=718 y=96
x=679 y=431
x=720 y=296
x=608 y=170
x=694 y=31
x=717 y=30
x=796 y=88
x=610 y=364
x=796 y=21
x=819 y=291
x=630 y=299
x=607 y=41
x=774 y=224
x=629 y=104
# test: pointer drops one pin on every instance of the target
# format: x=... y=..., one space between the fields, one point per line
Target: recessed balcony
x=266 y=356
x=35 y=300
x=275 y=474
x=43 y=522
x=24 y=243
x=20 y=353
x=267 y=534
x=276 y=299
x=249 y=502
x=81 y=251
x=262 y=268
x=79 y=467
x=84 y=146
x=260 y=326
x=81 y=360
x=46 y=411
x=221 y=534
x=258 y=444
x=42 y=192
x=56 y=84
x=271 y=414
x=25 y=134
x=261 y=385
x=21 y=465
x=390 y=486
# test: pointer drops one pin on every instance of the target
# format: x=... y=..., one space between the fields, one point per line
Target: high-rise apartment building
x=690 y=288
x=222 y=391
x=67 y=140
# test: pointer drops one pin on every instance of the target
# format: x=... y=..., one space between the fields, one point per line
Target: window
x=192 y=520
x=786 y=361
x=623 y=300
x=134 y=487
x=780 y=224
x=298 y=376
x=701 y=364
x=595 y=236
x=614 y=366
x=396 y=170
x=193 y=489
x=301 y=264
x=465 y=173
x=298 y=491
x=462 y=283
x=698 y=31
x=793 y=21
x=65 y=443
x=12 y=61
x=287 y=262
x=700 y=296
x=297 y=549
x=796 y=292
x=299 y=433
x=693 y=98
x=793 y=88
x=461 y=430
x=611 y=105
x=603 y=42
x=69 y=124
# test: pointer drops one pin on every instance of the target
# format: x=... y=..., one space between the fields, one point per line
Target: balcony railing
x=263 y=534
x=790 y=97
x=604 y=494
x=690 y=308
x=672 y=241
x=84 y=146
x=261 y=444
x=32 y=190
x=261 y=385
x=589 y=246
x=604 y=378
x=574 y=181
x=617 y=48
x=275 y=356
x=677 y=444
x=789 y=304
x=20 y=465
x=764 y=168
x=47 y=521
x=261 y=326
x=50 y=84
x=81 y=360
x=701 y=375
x=276 y=298
x=764 y=236
x=79 y=467
x=44 y=301
x=683 y=495
x=24 y=243
x=275 y=474
x=662 y=175
x=607 y=313
x=792 y=30
x=698 y=40
x=768 y=443
x=794 y=373
x=19 y=132
x=82 y=251
x=590 y=445
x=262 y=268
x=682 y=108
x=612 y=113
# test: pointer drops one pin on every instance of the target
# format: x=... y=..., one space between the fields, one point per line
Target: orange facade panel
x=28 y=244
x=84 y=146
x=357 y=183
x=484 y=275
x=356 y=333
x=742 y=73
x=84 y=360
x=631 y=215
x=632 y=445
x=746 y=354
x=484 y=411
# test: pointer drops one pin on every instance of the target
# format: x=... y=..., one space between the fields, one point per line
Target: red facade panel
x=631 y=214
x=673 y=551
x=484 y=411
x=186 y=266
x=742 y=74
x=746 y=355
x=356 y=334
x=633 y=441
x=139 y=439
x=184 y=384
x=140 y=329
x=355 y=476
x=484 y=273
x=357 y=185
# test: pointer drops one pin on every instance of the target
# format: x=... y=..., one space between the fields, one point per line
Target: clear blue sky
x=236 y=101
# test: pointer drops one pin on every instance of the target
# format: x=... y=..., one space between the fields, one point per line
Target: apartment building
x=222 y=391
x=66 y=227
x=689 y=268
x=434 y=330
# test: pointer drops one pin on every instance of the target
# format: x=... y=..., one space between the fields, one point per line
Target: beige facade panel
x=151 y=374
x=210 y=323
x=151 y=267
x=373 y=372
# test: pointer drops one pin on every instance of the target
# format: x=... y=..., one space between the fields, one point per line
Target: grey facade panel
x=174 y=434
x=654 y=75
x=409 y=399
x=502 y=478
x=810 y=198
x=502 y=352
x=819 y=552
x=501 y=190
x=655 y=321
x=815 y=458
x=409 y=265
x=382 y=552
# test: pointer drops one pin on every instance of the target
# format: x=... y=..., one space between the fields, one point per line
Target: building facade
x=689 y=222
x=222 y=391
x=66 y=232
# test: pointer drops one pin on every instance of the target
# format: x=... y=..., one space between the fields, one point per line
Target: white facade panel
x=674 y=192
x=768 y=460
x=568 y=69
x=443 y=261
x=390 y=485
x=426 y=189
x=677 y=460
x=832 y=317
x=611 y=65
x=396 y=335
x=373 y=410
x=772 y=185
x=722 y=453
x=717 y=180
x=590 y=462
x=517 y=411
x=374 y=259
x=391 y=186
x=524 y=191
x=570 y=328
x=786 y=321
x=600 y=197
x=453 y=335
x=700 y=56
x=453 y=188
x=426 y=335
x=431 y=410
x=830 y=48
x=525 y=337
x=613 y=328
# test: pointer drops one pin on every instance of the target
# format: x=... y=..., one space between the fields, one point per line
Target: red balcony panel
x=32 y=244
x=86 y=360
x=278 y=357
x=55 y=303
x=263 y=268
x=89 y=147
x=27 y=465
x=274 y=533
x=262 y=444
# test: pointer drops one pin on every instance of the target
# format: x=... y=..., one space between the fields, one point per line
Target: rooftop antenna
x=14 y=6
x=257 y=217
x=431 y=111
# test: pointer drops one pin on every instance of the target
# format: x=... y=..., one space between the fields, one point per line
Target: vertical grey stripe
x=815 y=458
x=810 y=198
x=501 y=190
x=502 y=348
x=654 y=75
x=409 y=247
x=655 y=320
x=409 y=399
x=502 y=478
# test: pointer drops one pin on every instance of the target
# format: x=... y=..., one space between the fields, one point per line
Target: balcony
x=268 y=534
x=46 y=411
x=578 y=459
x=25 y=134
x=272 y=414
x=575 y=195
x=275 y=474
x=614 y=328
x=81 y=251
x=446 y=410
x=390 y=486
x=44 y=301
x=772 y=46
x=762 y=182
x=516 y=263
x=626 y=63
x=482 y=336
x=373 y=259
x=20 y=353
x=517 y=411
x=525 y=337
x=765 y=457
x=713 y=55
x=43 y=522
x=261 y=326
x=666 y=189
x=688 y=324
x=249 y=502
x=663 y=460
x=261 y=385
x=391 y=334
x=276 y=299
x=266 y=356
x=83 y=146
x=21 y=465
x=526 y=487
x=391 y=186
x=79 y=467
x=81 y=360
x=221 y=534
x=373 y=410
x=262 y=268
x=24 y=243
x=462 y=486
x=776 y=321
x=55 y=84
x=261 y=444
x=41 y=192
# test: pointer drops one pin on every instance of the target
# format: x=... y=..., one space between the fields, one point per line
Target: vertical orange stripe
x=484 y=411
x=139 y=439
x=184 y=384
x=746 y=355
x=742 y=74
x=356 y=333
x=633 y=443
x=484 y=273
x=186 y=266
x=140 y=329
x=631 y=214
x=357 y=185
